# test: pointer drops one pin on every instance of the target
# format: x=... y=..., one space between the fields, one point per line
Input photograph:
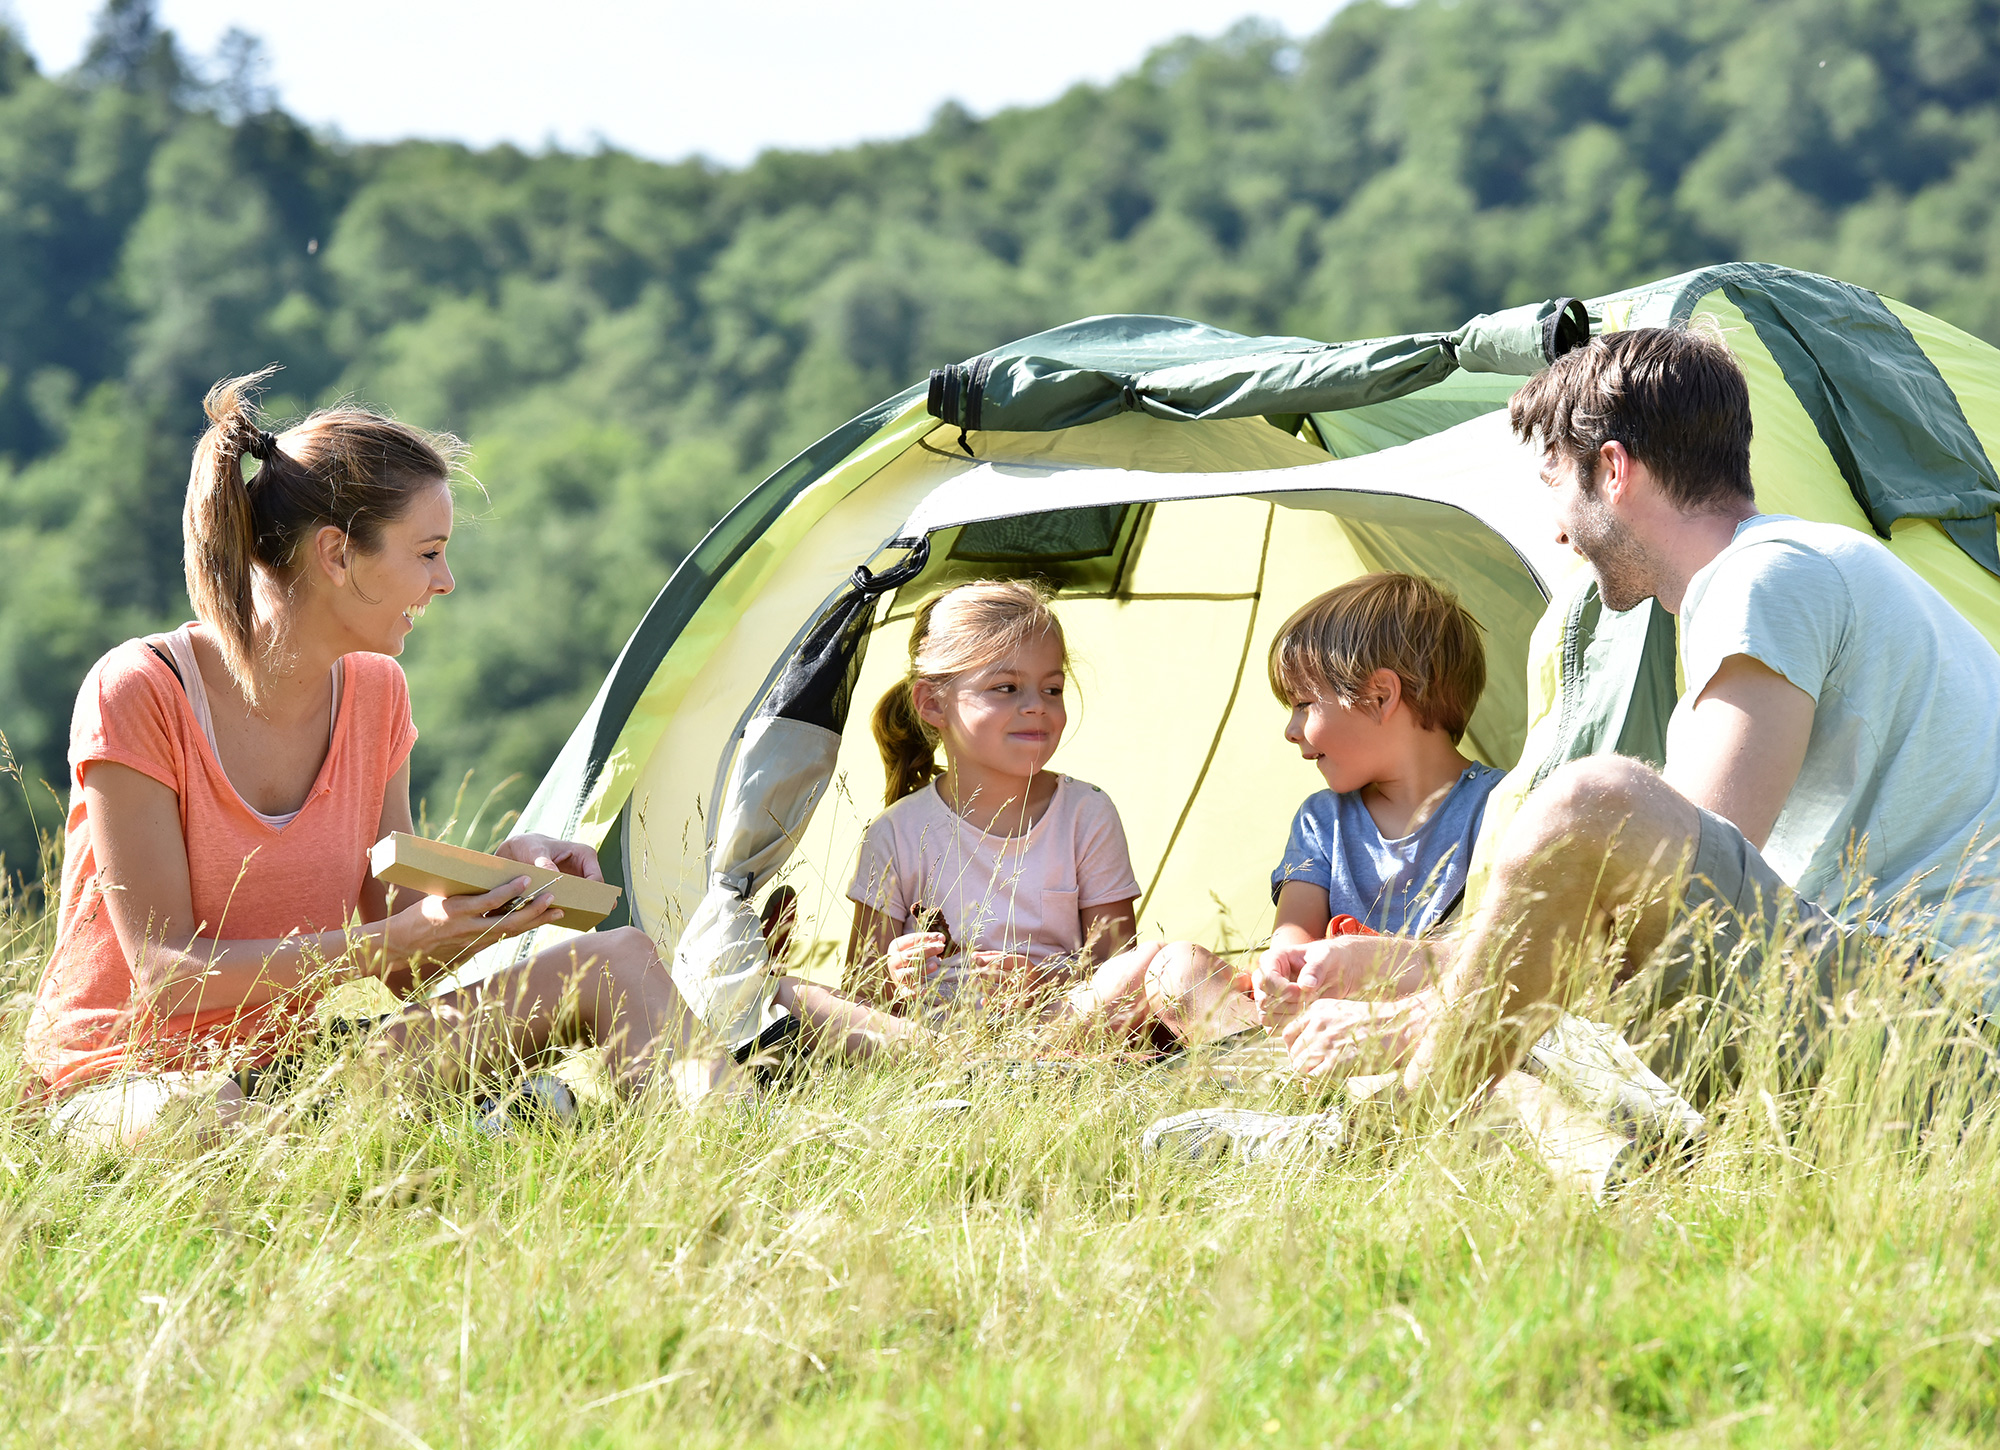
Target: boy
x=1381 y=676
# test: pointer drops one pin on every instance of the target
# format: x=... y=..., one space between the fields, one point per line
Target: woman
x=229 y=778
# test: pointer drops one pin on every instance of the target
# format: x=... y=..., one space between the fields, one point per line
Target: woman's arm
x=182 y=965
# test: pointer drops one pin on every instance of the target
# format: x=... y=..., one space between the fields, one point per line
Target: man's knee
x=627 y=957
x=1586 y=803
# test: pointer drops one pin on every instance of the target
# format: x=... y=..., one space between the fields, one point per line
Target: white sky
x=725 y=78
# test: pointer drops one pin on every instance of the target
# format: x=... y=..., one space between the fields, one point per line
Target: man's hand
x=1335 y=1035
x=572 y=858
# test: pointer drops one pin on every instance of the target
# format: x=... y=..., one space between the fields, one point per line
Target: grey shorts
x=1735 y=911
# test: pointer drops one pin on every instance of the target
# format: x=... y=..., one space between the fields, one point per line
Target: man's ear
x=1617 y=471
x=1384 y=694
x=331 y=553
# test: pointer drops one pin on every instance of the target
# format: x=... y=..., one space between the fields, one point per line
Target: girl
x=992 y=878
x=229 y=777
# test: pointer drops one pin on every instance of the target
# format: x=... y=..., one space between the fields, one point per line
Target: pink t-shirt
x=250 y=880
x=998 y=893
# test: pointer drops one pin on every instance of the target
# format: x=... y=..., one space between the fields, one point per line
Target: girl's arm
x=1108 y=931
x=181 y=965
x=881 y=965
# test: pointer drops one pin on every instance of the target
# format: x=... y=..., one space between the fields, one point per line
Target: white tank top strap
x=180 y=644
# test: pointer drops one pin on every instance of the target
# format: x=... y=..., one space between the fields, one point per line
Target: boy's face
x=1342 y=740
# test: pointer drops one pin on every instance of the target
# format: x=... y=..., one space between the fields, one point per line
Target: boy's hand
x=1289 y=978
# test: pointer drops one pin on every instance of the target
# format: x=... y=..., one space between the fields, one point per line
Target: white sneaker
x=541 y=1099
x=1253 y=1137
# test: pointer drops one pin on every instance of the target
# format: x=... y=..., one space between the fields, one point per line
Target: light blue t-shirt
x=1900 y=787
x=1403 y=887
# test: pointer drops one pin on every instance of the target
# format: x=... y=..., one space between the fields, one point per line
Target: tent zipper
x=1571 y=679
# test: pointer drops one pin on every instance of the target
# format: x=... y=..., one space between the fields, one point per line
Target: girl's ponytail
x=909 y=754
x=220 y=526
x=962 y=629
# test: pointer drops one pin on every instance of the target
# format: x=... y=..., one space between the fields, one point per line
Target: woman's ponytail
x=220 y=527
x=344 y=467
x=909 y=754
x=962 y=629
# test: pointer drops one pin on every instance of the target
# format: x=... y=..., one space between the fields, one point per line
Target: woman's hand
x=572 y=858
x=440 y=930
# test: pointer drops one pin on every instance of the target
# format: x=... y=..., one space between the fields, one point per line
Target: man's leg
x=1593 y=855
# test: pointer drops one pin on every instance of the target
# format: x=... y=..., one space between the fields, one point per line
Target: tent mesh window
x=1079 y=552
x=1061 y=537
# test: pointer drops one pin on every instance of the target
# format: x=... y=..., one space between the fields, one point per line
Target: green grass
x=838 y=1266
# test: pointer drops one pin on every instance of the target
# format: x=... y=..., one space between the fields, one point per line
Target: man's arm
x=1738 y=751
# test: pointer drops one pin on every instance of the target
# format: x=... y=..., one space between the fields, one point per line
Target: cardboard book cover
x=436 y=869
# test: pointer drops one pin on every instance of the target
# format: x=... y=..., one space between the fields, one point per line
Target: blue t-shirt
x=1403 y=887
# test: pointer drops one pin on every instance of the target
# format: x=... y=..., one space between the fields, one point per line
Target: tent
x=1185 y=488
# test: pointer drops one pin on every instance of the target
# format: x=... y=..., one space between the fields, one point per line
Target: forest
x=630 y=345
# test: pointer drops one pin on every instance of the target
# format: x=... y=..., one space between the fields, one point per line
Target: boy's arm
x=1304 y=910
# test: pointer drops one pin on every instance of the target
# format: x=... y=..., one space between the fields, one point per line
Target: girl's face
x=1008 y=717
x=1342 y=740
x=385 y=591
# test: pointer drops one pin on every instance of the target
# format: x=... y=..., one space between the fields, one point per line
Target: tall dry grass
x=848 y=1262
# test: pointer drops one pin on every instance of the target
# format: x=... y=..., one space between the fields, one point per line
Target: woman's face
x=385 y=591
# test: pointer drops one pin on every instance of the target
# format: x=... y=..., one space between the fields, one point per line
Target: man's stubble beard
x=1624 y=568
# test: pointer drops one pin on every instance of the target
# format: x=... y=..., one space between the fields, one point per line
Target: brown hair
x=1674 y=396
x=960 y=630
x=1330 y=647
x=344 y=466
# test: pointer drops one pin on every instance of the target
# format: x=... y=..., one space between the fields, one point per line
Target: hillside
x=630 y=345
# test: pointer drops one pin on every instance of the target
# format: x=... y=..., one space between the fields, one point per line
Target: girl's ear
x=329 y=553
x=924 y=695
x=1385 y=693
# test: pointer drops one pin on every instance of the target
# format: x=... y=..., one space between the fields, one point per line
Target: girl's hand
x=439 y=930
x=1007 y=979
x=913 y=961
x=572 y=858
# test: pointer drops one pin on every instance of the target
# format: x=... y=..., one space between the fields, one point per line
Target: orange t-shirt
x=250 y=881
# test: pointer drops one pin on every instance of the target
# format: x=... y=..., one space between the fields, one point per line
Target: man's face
x=1586 y=522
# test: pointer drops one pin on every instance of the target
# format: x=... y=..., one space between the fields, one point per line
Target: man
x=1836 y=750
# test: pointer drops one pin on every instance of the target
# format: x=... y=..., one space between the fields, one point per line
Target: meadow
x=852 y=1260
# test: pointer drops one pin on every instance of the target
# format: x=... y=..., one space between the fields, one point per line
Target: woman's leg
x=123 y=1112
x=1114 y=998
x=607 y=988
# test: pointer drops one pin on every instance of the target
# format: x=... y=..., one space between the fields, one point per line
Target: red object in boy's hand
x=1344 y=925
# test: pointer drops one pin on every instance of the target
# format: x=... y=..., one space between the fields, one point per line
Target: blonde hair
x=1331 y=646
x=346 y=466
x=960 y=630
